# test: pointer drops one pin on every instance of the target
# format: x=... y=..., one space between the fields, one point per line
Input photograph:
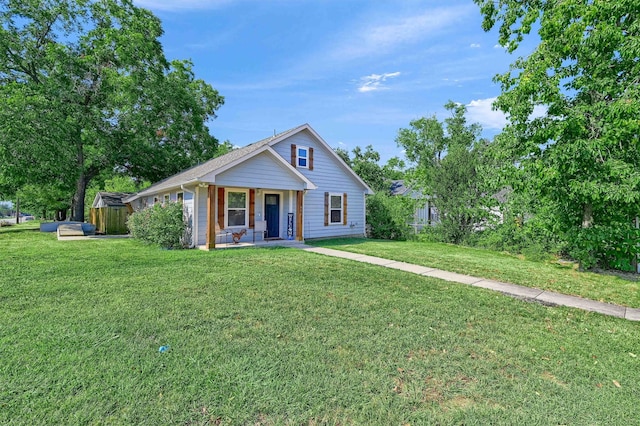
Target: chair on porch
x=222 y=234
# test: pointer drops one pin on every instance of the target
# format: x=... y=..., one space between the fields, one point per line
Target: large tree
x=366 y=164
x=85 y=87
x=448 y=159
x=583 y=155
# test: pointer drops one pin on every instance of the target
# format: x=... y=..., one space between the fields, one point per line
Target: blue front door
x=272 y=215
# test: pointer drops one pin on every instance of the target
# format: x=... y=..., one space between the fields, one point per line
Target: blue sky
x=355 y=70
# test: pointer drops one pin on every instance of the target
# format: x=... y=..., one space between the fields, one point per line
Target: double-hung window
x=303 y=157
x=335 y=208
x=237 y=211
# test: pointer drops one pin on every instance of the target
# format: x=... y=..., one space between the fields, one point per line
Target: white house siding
x=330 y=176
x=261 y=171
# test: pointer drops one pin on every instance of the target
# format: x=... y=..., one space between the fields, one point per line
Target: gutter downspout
x=194 y=233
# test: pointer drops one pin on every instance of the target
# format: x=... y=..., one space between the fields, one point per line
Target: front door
x=272 y=214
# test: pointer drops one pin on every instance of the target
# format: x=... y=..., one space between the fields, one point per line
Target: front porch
x=243 y=217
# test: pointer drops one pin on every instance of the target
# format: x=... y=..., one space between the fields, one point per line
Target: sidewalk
x=527 y=293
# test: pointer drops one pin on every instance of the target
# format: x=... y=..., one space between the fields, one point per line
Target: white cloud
x=373 y=82
x=382 y=37
x=480 y=111
x=474 y=45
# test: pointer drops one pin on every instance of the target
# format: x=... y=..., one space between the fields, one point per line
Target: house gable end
x=264 y=170
x=305 y=136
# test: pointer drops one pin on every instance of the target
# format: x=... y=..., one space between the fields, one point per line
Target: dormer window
x=302 y=157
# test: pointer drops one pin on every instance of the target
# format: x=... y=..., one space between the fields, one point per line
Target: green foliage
x=44 y=200
x=5 y=209
x=389 y=216
x=449 y=159
x=162 y=224
x=85 y=88
x=366 y=164
x=580 y=153
x=607 y=247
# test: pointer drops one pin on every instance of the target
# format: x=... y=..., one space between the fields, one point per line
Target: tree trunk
x=77 y=206
x=17 y=211
x=587 y=216
x=587 y=222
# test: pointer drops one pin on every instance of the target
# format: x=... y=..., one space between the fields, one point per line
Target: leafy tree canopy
x=85 y=87
x=366 y=164
x=583 y=154
x=448 y=159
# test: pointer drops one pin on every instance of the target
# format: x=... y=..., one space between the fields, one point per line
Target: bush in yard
x=162 y=224
x=389 y=216
x=607 y=247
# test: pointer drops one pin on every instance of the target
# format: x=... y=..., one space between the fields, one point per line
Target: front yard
x=281 y=336
x=623 y=289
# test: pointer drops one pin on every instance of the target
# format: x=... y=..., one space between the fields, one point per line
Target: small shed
x=109 y=213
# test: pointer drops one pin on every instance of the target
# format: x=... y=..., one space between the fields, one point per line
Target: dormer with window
x=302 y=157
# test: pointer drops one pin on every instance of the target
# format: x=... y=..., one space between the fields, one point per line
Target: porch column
x=299 y=221
x=211 y=218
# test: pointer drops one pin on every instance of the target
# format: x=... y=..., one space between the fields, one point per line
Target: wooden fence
x=110 y=220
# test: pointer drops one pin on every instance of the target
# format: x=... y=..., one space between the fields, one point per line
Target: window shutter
x=294 y=154
x=310 y=158
x=326 y=209
x=344 y=208
x=252 y=208
x=221 y=207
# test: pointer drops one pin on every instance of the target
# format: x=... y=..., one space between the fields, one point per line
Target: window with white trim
x=166 y=199
x=302 y=156
x=180 y=197
x=237 y=211
x=335 y=209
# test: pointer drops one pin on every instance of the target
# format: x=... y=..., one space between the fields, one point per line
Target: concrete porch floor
x=266 y=243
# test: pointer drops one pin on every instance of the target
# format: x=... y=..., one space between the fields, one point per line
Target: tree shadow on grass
x=5 y=229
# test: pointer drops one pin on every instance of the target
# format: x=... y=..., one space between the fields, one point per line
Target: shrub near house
x=162 y=224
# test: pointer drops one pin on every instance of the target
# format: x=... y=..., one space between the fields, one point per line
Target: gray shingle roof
x=200 y=170
x=113 y=199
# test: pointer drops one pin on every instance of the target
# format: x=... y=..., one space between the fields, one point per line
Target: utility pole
x=17 y=211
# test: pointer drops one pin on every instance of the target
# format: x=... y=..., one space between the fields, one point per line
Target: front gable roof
x=346 y=168
x=206 y=172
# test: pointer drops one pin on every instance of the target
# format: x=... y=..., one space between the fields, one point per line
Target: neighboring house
x=289 y=186
x=109 y=213
x=425 y=213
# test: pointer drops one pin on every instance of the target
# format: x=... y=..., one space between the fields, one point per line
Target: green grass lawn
x=282 y=336
x=550 y=275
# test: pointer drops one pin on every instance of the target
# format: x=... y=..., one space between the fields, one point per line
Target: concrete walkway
x=527 y=293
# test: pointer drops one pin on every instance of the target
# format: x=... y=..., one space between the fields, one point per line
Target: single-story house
x=288 y=186
x=425 y=212
x=109 y=213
